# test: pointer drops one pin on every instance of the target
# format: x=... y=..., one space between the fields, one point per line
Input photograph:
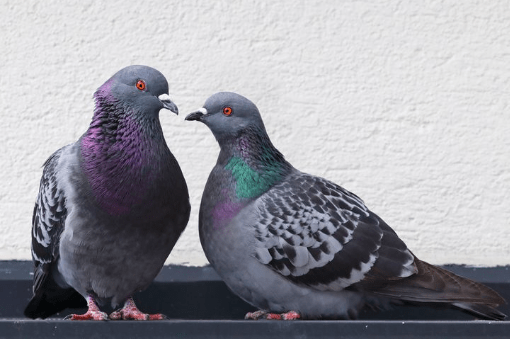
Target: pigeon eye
x=227 y=110
x=140 y=84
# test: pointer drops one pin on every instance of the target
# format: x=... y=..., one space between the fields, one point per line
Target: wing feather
x=47 y=221
x=316 y=233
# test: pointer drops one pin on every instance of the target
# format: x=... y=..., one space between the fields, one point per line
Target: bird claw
x=273 y=316
x=121 y=315
x=93 y=312
x=125 y=314
x=115 y=315
x=157 y=316
x=90 y=315
x=291 y=315
x=131 y=312
x=255 y=315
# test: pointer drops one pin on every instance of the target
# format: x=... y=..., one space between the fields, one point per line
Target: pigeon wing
x=316 y=233
x=47 y=222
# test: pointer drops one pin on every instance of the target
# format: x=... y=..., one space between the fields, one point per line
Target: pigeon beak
x=196 y=115
x=168 y=104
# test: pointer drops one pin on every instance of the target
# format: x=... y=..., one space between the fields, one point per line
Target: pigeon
x=110 y=207
x=296 y=245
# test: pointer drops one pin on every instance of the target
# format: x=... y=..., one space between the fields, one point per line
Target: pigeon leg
x=260 y=314
x=131 y=312
x=93 y=313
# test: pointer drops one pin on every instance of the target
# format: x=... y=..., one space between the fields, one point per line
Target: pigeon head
x=139 y=90
x=228 y=115
x=246 y=150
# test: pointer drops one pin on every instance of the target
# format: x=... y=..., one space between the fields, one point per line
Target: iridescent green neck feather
x=256 y=165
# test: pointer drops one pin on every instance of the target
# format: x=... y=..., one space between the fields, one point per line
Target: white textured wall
x=404 y=103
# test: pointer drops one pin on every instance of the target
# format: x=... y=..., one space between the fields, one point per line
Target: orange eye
x=140 y=84
x=227 y=110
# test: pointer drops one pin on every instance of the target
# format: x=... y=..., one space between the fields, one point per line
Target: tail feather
x=48 y=301
x=481 y=311
x=433 y=284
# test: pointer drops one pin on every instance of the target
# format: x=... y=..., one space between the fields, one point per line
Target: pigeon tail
x=481 y=311
x=53 y=300
x=436 y=285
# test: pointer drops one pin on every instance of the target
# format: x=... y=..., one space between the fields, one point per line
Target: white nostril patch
x=164 y=97
x=202 y=110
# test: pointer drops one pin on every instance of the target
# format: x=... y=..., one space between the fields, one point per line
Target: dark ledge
x=199 y=305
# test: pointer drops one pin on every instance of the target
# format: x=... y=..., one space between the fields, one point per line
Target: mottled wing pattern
x=47 y=221
x=316 y=233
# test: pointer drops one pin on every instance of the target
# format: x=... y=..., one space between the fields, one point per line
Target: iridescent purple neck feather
x=121 y=153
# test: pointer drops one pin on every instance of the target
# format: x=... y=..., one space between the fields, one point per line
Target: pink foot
x=273 y=316
x=131 y=312
x=93 y=312
x=90 y=315
x=255 y=315
x=292 y=315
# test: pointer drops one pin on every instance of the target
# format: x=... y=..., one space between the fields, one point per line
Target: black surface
x=251 y=329
x=198 y=304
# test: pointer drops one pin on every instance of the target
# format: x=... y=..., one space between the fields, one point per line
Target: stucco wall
x=405 y=104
